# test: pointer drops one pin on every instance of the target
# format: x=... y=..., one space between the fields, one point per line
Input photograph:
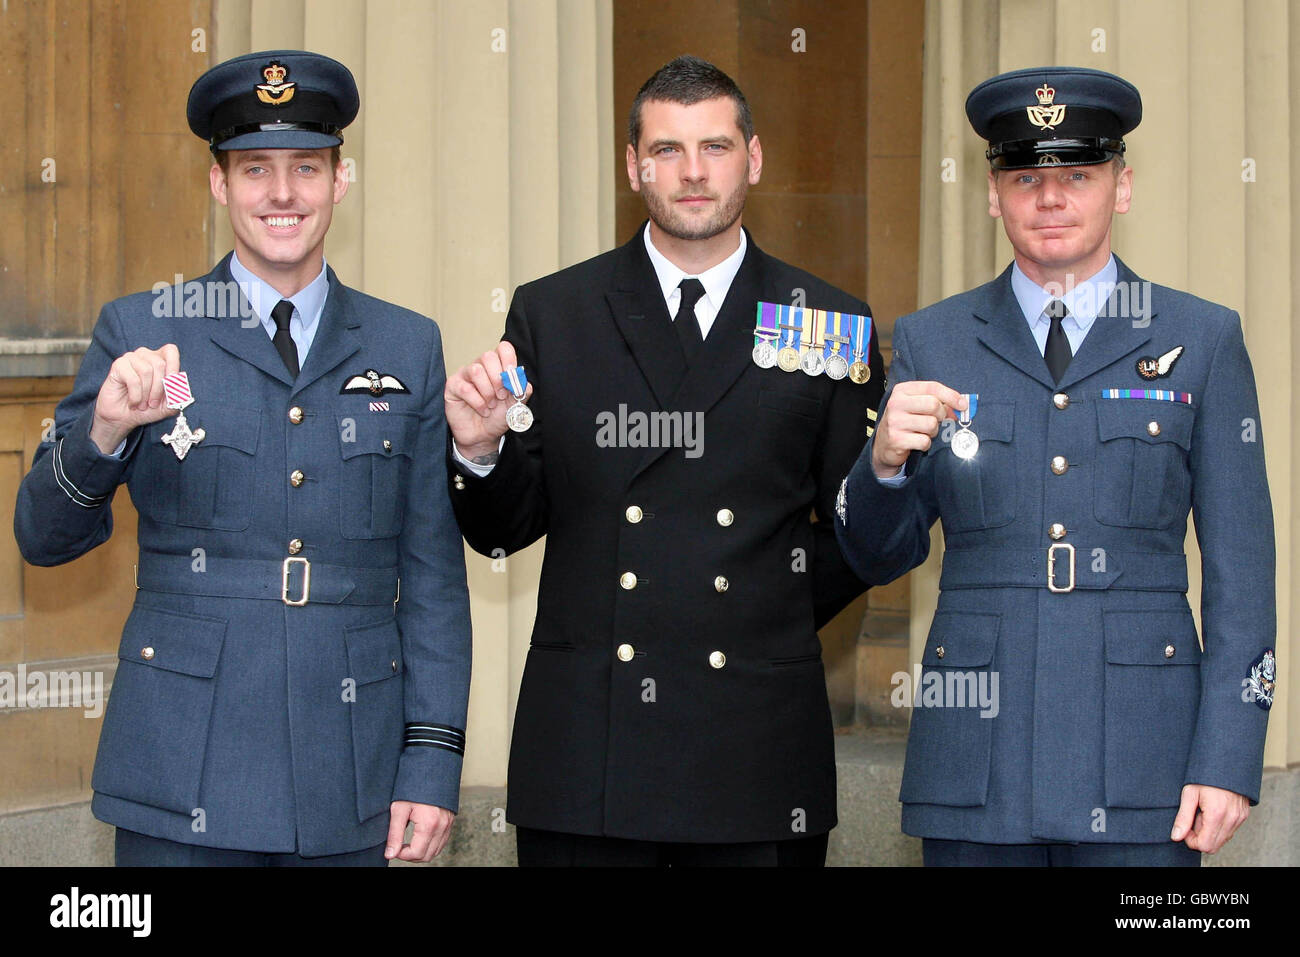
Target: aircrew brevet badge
x=1046 y=115
x=1151 y=368
x=176 y=389
x=276 y=91
x=374 y=383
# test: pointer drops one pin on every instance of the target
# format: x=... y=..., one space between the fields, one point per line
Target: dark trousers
x=937 y=853
x=555 y=849
x=140 y=850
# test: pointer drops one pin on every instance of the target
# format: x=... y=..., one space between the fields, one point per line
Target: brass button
x=146 y=653
x=718 y=660
x=939 y=652
x=295 y=415
x=1153 y=427
x=721 y=584
x=1059 y=464
x=625 y=652
x=1060 y=400
x=1169 y=651
x=627 y=580
x=296 y=477
x=295 y=546
x=1056 y=532
x=634 y=514
x=725 y=517
x=388 y=446
x=459 y=481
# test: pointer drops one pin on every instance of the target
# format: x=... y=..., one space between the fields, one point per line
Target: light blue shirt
x=1083 y=300
x=308 y=303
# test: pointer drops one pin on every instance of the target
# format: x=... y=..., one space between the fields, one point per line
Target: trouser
x=139 y=850
x=938 y=853
x=556 y=849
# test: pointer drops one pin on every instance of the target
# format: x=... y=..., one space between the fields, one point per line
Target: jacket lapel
x=1114 y=333
x=336 y=335
x=242 y=339
x=637 y=304
x=1006 y=333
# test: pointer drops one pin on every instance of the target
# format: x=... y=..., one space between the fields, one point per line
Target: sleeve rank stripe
x=65 y=483
x=435 y=744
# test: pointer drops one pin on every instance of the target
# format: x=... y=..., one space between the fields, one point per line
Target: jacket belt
x=257 y=578
x=1027 y=568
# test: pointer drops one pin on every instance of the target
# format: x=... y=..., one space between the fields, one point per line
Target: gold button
x=459 y=481
x=1060 y=400
x=718 y=660
x=295 y=546
x=1056 y=531
x=146 y=653
x=388 y=446
x=1153 y=427
x=296 y=477
x=295 y=415
x=939 y=652
x=634 y=514
x=1169 y=651
x=625 y=652
x=725 y=517
x=721 y=584
x=1059 y=464
x=627 y=580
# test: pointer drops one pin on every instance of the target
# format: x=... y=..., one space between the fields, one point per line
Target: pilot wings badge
x=373 y=383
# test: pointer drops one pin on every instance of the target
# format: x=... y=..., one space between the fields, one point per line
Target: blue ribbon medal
x=966 y=443
x=519 y=417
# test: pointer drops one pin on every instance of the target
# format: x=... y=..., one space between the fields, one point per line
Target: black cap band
x=309 y=110
x=1074 y=151
x=221 y=136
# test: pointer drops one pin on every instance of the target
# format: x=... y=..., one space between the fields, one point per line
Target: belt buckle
x=1051 y=568
x=306 y=581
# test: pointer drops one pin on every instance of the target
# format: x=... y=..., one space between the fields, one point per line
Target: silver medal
x=965 y=444
x=765 y=354
x=837 y=367
x=811 y=362
x=519 y=417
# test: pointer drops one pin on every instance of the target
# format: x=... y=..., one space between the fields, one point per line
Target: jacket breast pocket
x=376 y=452
x=212 y=486
x=375 y=667
x=155 y=735
x=979 y=492
x=1142 y=478
x=1152 y=696
x=949 y=746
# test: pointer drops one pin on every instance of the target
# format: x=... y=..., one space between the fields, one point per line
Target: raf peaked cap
x=1053 y=116
x=278 y=99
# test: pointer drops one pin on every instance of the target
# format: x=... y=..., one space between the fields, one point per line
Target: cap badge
x=1046 y=115
x=275 y=91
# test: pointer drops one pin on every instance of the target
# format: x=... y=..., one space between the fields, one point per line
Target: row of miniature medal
x=793 y=337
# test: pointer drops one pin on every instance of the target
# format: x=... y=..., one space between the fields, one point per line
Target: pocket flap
x=994 y=421
x=379 y=433
x=966 y=639
x=1149 y=637
x=1131 y=418
x=173 y=641
x=781 y=401
x=374 y=651
x=226 y=426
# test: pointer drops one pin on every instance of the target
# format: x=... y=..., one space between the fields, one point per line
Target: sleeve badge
x=1263 y=678
x=842 y=503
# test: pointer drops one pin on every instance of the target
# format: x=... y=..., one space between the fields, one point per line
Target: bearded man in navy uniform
x=1061 y=422
x=293 y=677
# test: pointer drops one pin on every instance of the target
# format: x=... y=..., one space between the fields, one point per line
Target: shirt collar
x=716 y=279
x=309 y=300
x=1084 y=299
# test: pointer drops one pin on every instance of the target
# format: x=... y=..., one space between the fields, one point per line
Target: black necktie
x=1057 y=353
x=688 y=327
x=282 y=340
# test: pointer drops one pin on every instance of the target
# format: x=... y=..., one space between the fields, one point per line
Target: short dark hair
x=688 y=80
x=222 y=158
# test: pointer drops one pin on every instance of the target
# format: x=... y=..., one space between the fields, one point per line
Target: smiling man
x=1061 y=422
x=673 y=707
x=278 y=700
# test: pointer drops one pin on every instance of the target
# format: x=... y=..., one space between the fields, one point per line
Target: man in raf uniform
x=673 y=707
x=1061 y=421
x=281 y=699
